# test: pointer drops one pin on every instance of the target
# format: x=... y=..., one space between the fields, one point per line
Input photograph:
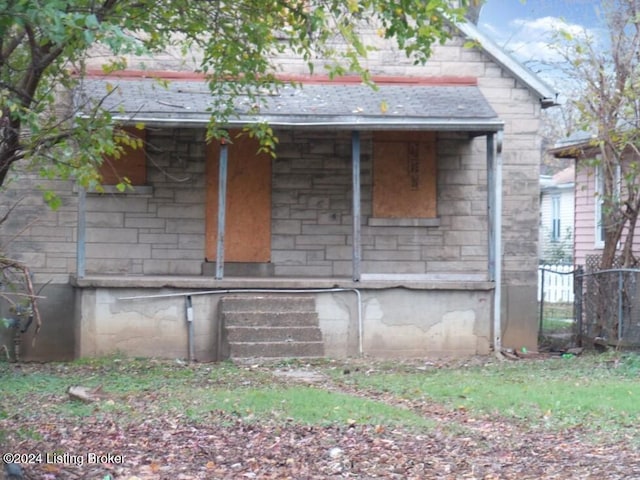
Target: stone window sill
x=136 y=190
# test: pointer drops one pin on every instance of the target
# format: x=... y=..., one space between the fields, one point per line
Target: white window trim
x=556 y=217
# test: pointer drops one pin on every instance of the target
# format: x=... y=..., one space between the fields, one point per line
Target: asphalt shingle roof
x=428 y=107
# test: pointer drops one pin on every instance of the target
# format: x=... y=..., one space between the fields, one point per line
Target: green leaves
x=264 y=134
x=51 y=198
x=45 y=46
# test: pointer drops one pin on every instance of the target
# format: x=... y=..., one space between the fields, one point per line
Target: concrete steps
x=270 y=326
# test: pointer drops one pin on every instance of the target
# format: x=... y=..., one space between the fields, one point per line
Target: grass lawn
x=221 y=416
x=600 y=394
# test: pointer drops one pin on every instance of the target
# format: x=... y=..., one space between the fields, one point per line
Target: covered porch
x=410 y=272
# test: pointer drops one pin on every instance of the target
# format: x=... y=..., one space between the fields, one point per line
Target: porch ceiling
x=349 y=106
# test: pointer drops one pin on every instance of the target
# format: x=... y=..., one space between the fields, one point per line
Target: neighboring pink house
x=588 y=237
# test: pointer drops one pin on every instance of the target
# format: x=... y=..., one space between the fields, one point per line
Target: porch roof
x=456 y=106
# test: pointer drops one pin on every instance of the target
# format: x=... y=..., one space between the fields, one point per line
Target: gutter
x=480 y=126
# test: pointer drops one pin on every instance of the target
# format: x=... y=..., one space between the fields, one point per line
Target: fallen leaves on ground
x=158 y=446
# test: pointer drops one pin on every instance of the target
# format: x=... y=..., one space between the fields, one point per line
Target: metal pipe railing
x=190 y=315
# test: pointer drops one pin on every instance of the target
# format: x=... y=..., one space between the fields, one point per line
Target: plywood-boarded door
x=248 y=213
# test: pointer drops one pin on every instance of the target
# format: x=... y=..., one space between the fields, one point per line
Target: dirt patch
x=302 y=376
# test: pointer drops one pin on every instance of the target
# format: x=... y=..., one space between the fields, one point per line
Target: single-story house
x=409 y=230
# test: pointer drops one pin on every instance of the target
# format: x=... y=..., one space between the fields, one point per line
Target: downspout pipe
x=497 y=256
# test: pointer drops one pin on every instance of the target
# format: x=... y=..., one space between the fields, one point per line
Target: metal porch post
x=222 y=208
x=355 y=154
x=491 y=155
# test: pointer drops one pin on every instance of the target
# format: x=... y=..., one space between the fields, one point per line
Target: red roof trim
x=304 y=79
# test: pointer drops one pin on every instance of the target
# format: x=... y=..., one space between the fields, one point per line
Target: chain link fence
x=607 y=304
x=588 y=307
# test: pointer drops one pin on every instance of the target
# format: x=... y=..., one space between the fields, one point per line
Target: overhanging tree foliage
x=607 y=71
x=44 y=46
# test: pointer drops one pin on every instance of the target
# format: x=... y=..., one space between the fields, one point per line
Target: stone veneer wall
x=312 y=226
x=160 y=230
x=513 y=102
x=520 y=110
x=157 y=233
x=148 y=231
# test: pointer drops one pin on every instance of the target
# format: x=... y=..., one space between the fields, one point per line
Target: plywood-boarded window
x=404 y=175
x=131 y=164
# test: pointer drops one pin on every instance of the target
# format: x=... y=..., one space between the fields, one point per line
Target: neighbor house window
x=555 y=218
x=404 y=178
x=131 y=165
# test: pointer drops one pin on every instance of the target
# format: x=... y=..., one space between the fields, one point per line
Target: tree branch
x=10 y=47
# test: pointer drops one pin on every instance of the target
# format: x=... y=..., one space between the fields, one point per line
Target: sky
x=523 y=27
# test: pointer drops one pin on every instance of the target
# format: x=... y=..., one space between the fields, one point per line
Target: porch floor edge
x=375 y=282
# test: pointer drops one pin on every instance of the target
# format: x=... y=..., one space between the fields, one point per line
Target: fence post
x=577 y=302
x=541 y=299
x=620 y=296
